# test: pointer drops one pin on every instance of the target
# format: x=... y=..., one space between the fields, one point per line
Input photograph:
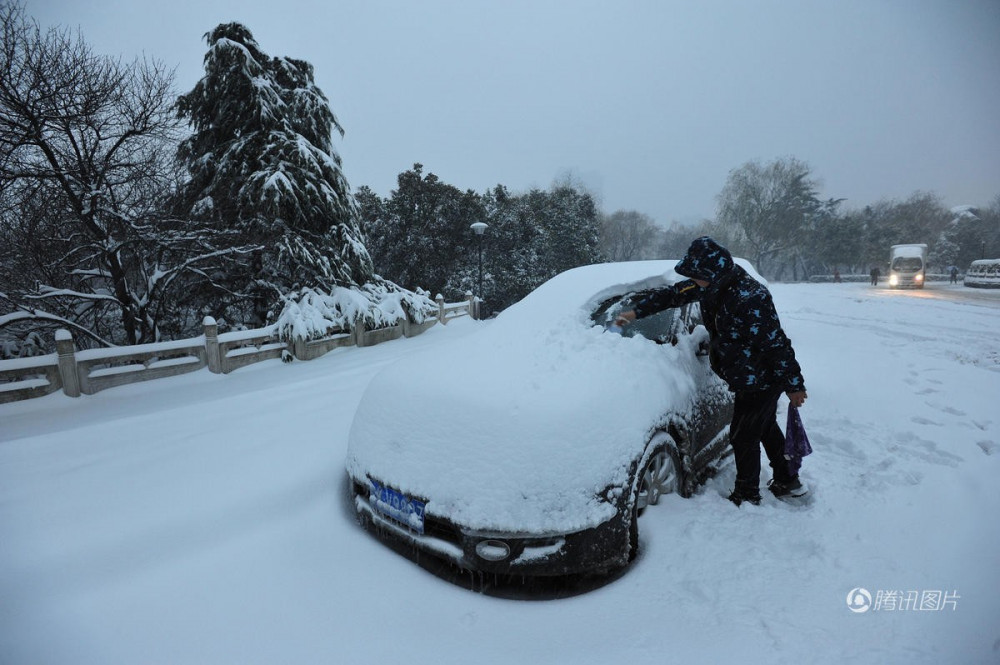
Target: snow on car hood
x=522 y=426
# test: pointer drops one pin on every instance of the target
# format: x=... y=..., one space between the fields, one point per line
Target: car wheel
x=657 y=476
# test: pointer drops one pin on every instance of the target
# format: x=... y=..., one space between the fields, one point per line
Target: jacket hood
x=707 y=260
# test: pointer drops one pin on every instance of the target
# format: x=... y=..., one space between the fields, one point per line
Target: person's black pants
x=754 y=423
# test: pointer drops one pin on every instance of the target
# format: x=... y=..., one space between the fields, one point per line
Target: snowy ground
x=201 y=519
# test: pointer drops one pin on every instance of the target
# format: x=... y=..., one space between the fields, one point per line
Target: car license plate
x=397 y=506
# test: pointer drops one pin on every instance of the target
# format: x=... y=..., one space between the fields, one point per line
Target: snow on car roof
x=520 y=426
x=581 y=289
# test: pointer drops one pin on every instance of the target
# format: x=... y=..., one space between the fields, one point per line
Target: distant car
x=983 y=274
x=532 y=446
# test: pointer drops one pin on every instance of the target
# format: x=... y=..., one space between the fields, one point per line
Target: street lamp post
x=480 y=229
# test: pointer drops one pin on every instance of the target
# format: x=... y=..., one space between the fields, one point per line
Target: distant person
x=747 y=349
x=954 y=275
x=875 y=274
x=836 y=275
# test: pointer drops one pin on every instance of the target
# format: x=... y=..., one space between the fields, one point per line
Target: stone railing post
x=359 y=331
x=66 y=351
x=472 y=307
x=212 y=345
x=440 y=303
x=298 y=345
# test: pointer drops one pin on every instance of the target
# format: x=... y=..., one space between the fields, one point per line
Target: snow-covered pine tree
x=570 y=225
x=420 y=236
x=511 y=260
x=261 y=160
x=532 y=237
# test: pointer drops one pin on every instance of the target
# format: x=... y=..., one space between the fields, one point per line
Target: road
x=946 y=291
x=203 y=518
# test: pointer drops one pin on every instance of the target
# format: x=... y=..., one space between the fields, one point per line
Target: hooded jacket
x=749 y=350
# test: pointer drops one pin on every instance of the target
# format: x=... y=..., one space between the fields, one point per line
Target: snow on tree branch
x=311 y=314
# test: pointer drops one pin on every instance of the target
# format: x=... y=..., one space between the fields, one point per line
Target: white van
x=907 y=266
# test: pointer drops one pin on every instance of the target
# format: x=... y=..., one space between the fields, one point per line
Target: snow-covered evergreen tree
x=920 y=218
x=420 y=235
x=262 y=161
x=512 y=260
x=961 y=242
x=531 y=238
x=571 y=228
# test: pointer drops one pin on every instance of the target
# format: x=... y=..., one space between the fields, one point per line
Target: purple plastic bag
x=796 y=442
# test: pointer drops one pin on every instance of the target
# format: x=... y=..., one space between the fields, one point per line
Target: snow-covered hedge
x=843 y=278
x=311 y=314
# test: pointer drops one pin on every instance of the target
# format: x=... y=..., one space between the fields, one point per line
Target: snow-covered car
x=532 y=446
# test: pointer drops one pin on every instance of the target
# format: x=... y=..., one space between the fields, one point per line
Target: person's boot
x=738 y=496
x=788 y=488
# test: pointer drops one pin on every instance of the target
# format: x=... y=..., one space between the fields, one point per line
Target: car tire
x=658 y=473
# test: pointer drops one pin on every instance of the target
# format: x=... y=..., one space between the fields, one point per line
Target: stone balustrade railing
x=93 y=370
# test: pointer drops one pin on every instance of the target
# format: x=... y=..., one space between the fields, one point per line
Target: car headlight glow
x=893 y=280
x=918 y=278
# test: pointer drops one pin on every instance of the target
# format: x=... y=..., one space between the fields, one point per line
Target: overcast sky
x=650 y=104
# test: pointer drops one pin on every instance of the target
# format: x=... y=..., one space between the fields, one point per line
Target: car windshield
x=658 y=327
x=906 y=263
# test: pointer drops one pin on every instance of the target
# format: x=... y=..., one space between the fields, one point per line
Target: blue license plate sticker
x=397 y=506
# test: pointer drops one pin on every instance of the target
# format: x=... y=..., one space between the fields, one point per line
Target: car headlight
x=893 y=280
x=918 y=278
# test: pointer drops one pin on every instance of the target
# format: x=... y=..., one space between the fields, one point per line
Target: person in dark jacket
x=748 y=350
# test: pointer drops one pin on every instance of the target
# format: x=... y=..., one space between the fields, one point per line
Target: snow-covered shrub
x=8 y=349
x=310 y=314
x=31 y=345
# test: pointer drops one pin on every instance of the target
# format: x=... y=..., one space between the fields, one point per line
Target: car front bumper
x=598 y=549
